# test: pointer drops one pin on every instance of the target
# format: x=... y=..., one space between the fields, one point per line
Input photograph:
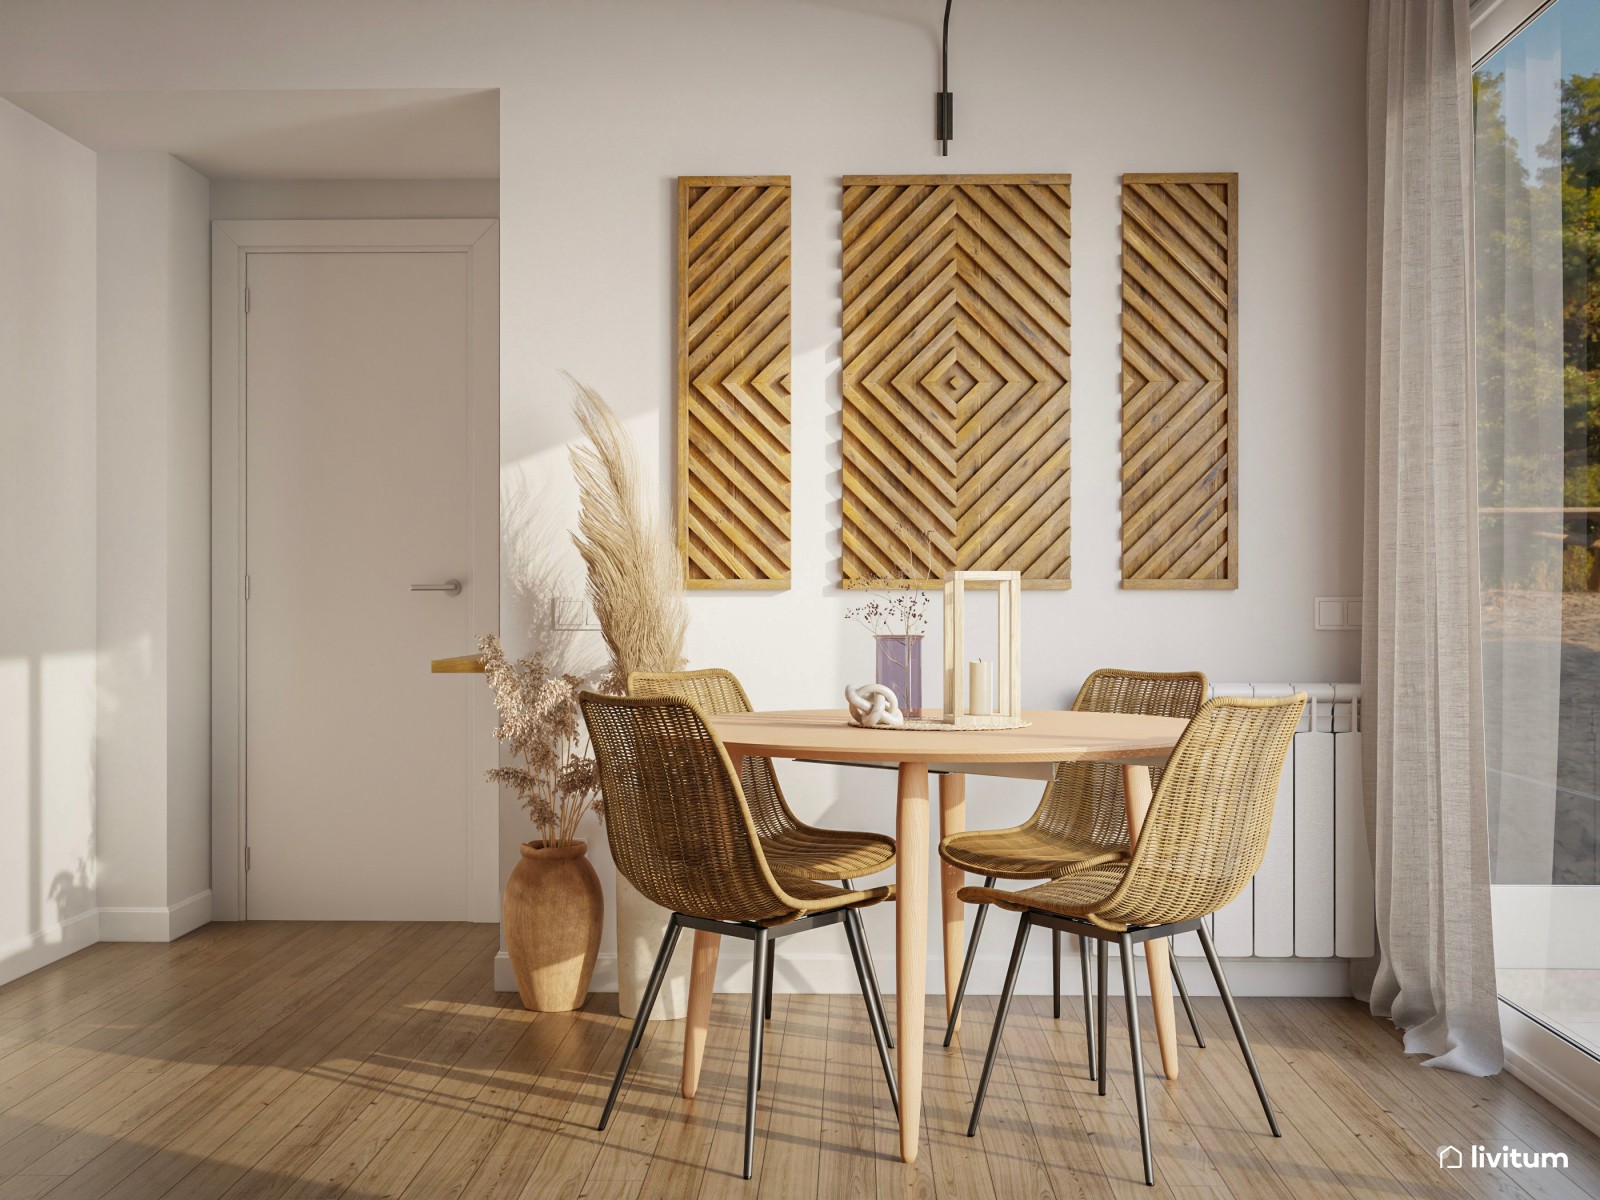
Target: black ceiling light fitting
x=944 y=119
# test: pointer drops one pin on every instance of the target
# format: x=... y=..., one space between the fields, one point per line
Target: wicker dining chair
x=1201 y=843
x=792 y=847
x=1081 y=821
x=682 y=833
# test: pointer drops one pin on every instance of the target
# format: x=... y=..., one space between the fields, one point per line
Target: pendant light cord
x=945 y=117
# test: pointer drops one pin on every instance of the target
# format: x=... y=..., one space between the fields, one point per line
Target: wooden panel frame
x=1180 y=380
x=733 y=356
x=970 y=275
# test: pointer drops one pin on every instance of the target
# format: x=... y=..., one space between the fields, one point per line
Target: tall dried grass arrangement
x=538 y=709
x=635 y=576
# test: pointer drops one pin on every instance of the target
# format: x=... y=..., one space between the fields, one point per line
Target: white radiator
x=1312 y=897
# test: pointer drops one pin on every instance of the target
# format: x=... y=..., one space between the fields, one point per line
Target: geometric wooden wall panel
x=733 y=381
x=956 y=382
x=1180 y=353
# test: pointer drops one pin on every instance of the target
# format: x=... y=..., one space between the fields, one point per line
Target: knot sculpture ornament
x=873 y=706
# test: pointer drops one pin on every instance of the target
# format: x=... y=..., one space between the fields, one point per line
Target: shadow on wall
x=72 y=892
x=46 y=796
x=539 y=568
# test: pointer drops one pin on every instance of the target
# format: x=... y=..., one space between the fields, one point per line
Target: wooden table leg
x=911 y=946
x=702 y=986
x=1136 y=788
x=952 y=819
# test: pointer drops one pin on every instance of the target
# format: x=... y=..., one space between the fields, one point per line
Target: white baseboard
x=833 y=974
x=28 y=954
x=1551 y=1066
x=155 y=924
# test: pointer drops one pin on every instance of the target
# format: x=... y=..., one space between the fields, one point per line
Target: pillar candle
x=980 y=688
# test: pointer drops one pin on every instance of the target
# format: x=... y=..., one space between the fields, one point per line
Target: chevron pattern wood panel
x=956 y=440
x=733 y=381
x=1180 y=352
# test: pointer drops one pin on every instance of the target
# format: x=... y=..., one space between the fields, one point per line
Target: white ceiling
x=367 y=134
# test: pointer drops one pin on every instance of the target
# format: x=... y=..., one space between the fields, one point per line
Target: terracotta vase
x=551 y=915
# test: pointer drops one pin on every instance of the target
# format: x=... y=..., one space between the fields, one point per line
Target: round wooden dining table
x=1135 y=742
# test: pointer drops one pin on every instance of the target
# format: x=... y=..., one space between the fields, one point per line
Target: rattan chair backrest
x=1206 y=831
x=717 y=691
x=1085 y=802
x=679 y=828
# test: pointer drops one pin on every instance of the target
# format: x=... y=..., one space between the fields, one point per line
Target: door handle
x=453 y=586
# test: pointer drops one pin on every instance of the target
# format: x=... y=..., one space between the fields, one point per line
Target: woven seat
x=682 y=833
x=1083 y=816
x=791 y=846
x=1023 y=853
x=1201 y=842
x=1081 y=821
x=1072 y=895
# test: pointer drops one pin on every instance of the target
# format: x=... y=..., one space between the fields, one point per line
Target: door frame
x=232 y=242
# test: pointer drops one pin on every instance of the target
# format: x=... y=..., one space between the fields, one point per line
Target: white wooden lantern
x=1008 y=685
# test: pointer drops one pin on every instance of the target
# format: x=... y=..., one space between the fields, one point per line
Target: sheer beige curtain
x=1421 y=659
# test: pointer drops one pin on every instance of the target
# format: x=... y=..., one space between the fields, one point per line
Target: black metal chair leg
x=1102 y=1000
x=1131 y=993
x=758 y=988
x=772 y=962
x=857 y=940
x=1238 y=1029
x=1088 y=1009
x=1000 y=1012
x=966 y=965
x=872 y=971
x=647 y=1003
x=1183 y=994
x=1055 y=969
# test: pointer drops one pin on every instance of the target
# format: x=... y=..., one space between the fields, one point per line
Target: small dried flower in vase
x=896 y=614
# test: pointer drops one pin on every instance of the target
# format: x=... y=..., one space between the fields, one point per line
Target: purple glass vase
x=900 y=669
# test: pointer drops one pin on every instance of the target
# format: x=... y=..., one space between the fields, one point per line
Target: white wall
x=47 y=544
x=154 y=547
x=603 y=104
x=352 y=199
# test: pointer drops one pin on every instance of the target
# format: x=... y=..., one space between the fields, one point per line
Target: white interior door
x=356 y=488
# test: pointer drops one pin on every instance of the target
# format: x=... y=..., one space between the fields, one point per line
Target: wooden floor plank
x=321 y=1104
x=1434 y=1112
x=792 y=1124
x=857 y=1102
x=365 y=1061
x=76 y=1114
x=149 y=1107
x=293 y=1066
x=235 y=1106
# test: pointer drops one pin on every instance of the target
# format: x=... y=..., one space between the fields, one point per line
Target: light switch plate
x=1337 y=613
x=572 y=612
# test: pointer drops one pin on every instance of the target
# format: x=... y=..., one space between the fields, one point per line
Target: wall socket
x=572 y=612
x=1337 y=613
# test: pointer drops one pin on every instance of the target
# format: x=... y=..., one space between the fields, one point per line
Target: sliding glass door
x=1537 y=213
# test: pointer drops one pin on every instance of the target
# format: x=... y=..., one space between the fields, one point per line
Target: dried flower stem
x=635 y=577
x=898 y=607
x=538 y=711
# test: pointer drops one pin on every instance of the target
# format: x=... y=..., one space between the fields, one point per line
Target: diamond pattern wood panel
x=1180 y=346
x=956 y=440
x=733 y=381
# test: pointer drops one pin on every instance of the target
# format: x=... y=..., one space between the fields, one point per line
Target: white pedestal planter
x=640 y=927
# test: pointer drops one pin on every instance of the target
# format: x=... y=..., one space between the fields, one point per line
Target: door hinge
x=247 y=587
x=247 y=299
x=247 y=858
